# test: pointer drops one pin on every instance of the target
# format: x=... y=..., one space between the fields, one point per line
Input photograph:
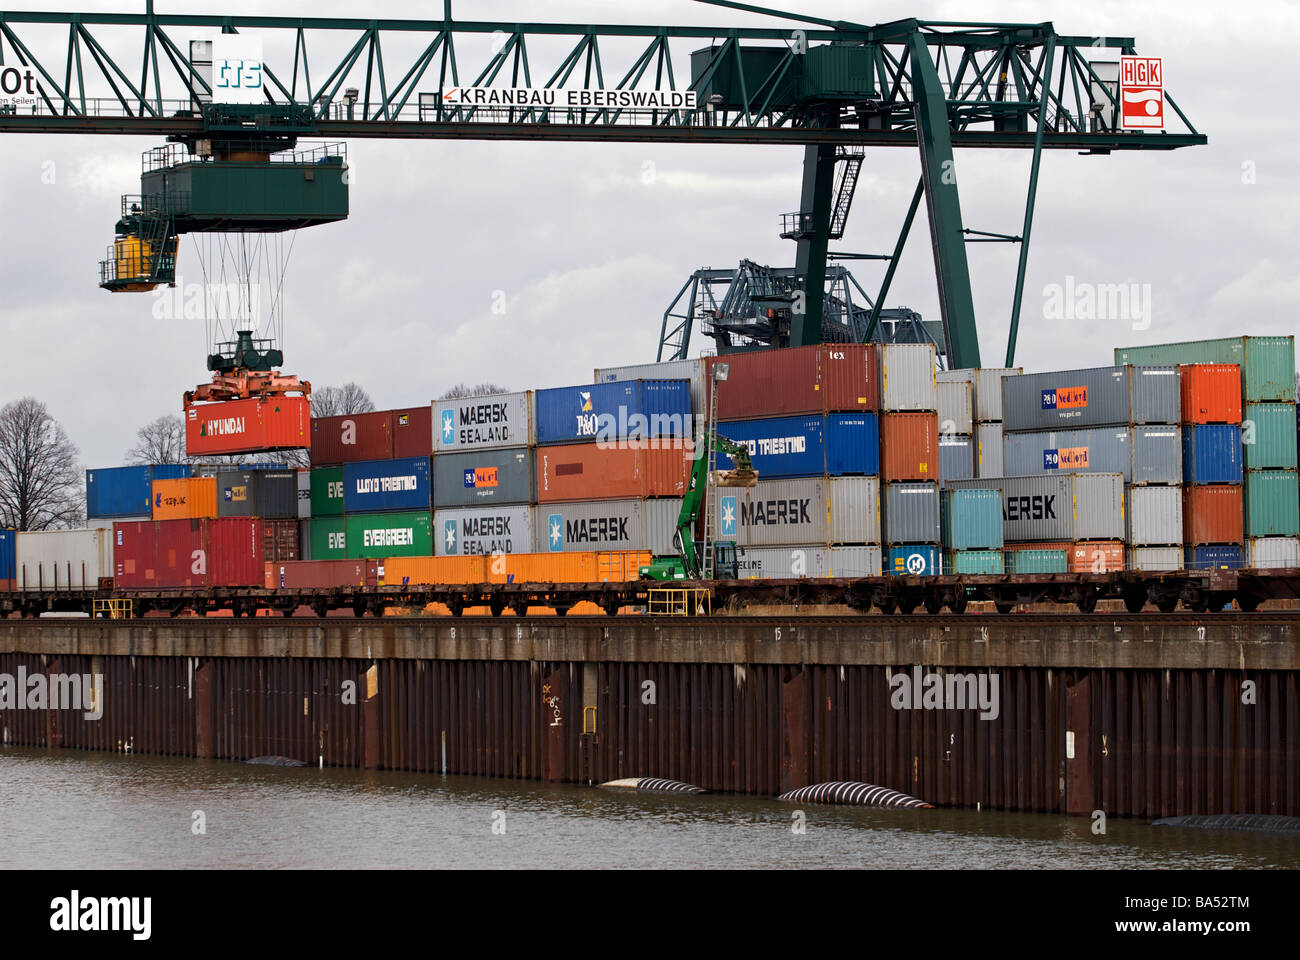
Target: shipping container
x=1273 y=553
x=1267 y=363
x=118 y=492
x=1097 y=556
x=485 y=476
x=1037 y=558
x=957 y=457
x=592 y=471
x=387 y=486
x=272 y=494
x=1272 y=503
x=327 y=538
x=1057 y=507
x=1211 y=392
x=956 y=408
x=250 y=425
x=1268 y=436
x=909 y=446
x=189 y=553
x=827 y=378
x=304 y=494
x=917 y=559
x=351 y=438
x=189 y=498
x=389 y=535
x=785 y=563
x=907 y=377
x=1213 y=514
x=404 y=571
x=971 y=519
x=484 y=423
x=212 y=469
x=1155 y=516
x=321 y=574
x=413 y=432
x=280 y=541
x=1155 y=559
x=465 y=531
x=7 y=541
x=988 y=450
x=1096 y=397
x=973 y=563
x=1147 y=454
x=690 y=370
x=608 y=412
x=1212 y=453
x=62 y=559
x=327 y=492
x=910 y=513
x=837 y=444
x=606 y=525
x=1216 y=557
x=576 y=567
x=849 y=562
x=817 y=510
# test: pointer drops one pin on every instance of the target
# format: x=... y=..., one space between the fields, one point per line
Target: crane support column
x=939 y=176
x=813 y=240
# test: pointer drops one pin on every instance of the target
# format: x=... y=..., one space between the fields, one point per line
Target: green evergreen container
x=378 y=535
x=1272 y=427
x=973 y=562
x=1037 y=561
x=1272 y=503
x=327 y=492
x=327 y=537
x=1267 y=363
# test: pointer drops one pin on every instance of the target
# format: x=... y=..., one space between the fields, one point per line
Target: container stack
x=126 y=493
x=1213 y=523
x=808 y=417
x=909 y=458
x=970 y=422
x=1271 y=494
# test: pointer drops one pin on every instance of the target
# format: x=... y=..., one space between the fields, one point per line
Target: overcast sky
x=588 y=254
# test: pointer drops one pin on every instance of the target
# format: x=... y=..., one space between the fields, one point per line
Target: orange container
x=399 y=571
x=618 y=566
x=909 y=446
x=542 y=568
x=191 y=498
x=1096 y=556
x=247 y=426
x=590 y=471
x=1211 y=392
x=1212 y=514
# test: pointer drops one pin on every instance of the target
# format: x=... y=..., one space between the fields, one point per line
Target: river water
x=73 y=810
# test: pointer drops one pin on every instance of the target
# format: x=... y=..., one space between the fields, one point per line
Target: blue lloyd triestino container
x=834 y=444
x=383 y=486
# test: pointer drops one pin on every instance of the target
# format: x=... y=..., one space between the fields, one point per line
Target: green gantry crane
x=833 y=86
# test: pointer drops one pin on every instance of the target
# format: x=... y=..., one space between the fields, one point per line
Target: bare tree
x=341 y=401
x=40 y=478
x=462 y=391
x=161 y=441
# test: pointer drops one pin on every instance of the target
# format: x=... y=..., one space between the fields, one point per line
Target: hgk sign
x=1141 y=93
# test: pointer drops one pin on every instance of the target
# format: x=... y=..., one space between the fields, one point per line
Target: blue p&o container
x=127 y=491
x=1214 y=557
x=918 y=560
x=383 y=486
x=834 y=444
x=623 y=410
x=7 y=541
x=1212 y=453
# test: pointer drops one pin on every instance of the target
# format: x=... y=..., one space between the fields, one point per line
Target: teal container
x=971 y=519
x=1272 y=428
x=1267 y=363
x=1037 y=561
x=327 y=492
x=376 y=535
x=974 y=562
x=1272 y=503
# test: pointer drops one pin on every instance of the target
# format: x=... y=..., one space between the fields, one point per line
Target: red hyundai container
x=1211 y=392
x=1213 y=513
x=590 y=471
x=909 y=446
x=321 y=574
x=188 y=553
x=251 y=425
x=413 y=432
x=351 y=438
x=280 y=540
x=839 y=378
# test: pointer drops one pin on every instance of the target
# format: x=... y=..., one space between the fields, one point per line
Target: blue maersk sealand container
x=1212 y=453
x=627 y=409
x=836 y=445
x=917 y=560
x=1214 y=558
x=127 y=491
x=384 y=486
x=7 y=540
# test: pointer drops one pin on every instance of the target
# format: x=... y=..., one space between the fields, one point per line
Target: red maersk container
x=413 y=432
x=352 y=438
x=247 y=426
x=1211 y=392
x=188 y=553
x=839 y=378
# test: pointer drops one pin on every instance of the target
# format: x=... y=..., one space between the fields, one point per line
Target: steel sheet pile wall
x=910 y=457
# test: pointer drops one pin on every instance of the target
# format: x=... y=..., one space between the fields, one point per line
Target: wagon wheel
x=1247 y=602
x=1087 y=601
x=958 y=603
x=1004 y=606
x=887 y=606
x=933 y=603
x=1134 y=601
x=906 y=606
x=1167 y=604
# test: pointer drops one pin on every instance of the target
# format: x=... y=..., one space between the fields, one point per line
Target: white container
x=822 y=510
x=484 y=423
x=907 y=377
x=304 y=494
x=1155 y=516
x=956 y=457
x=578 y=525
x=911 y=513
x=1272 y=553
x=956 y=411
x=988 y=449
x=692 y=370
x=63 y=559
x=986 y=388
x=1155 y=559
x=794 y=562
x=847 y=562
x=472 y=531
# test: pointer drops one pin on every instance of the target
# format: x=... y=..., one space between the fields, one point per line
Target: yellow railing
x=116 y=608
x=585 y=712
x=681 y=601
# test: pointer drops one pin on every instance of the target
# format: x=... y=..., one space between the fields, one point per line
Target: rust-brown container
x=909 y=446
x=839 y=378
x=351 y=438
x=1211 y=392
x=594 y=471
x=1097 y=556
x=321 y=574
x=1212 y=513
x=413 y=432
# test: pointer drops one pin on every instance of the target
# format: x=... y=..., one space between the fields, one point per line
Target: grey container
x=484 y=423
x=272 y=494
x=1100 y=396
x=956 y=410
x=1272 y=553
x=473 y=531
x=1148 y=454
x=988 y=450
x=484 y=476
x=692 y=370
x=1155 y=516
x=793 y=562
x=911 y=513
x=304 y=494
x=1155 y=559
x=986 y=388
x=956 y=457
x=823 y=510
x=578 y=525
x=1063 y=506
x=907 y=377
x=844 y=562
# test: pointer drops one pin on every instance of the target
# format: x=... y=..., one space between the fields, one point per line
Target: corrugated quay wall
x=1141 y=743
